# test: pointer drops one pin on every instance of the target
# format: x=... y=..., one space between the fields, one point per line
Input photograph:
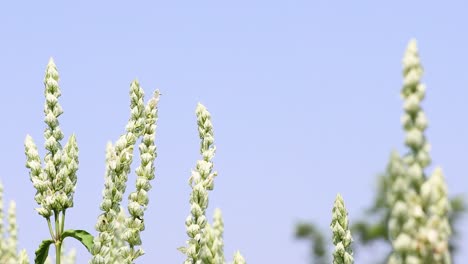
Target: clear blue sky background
x=304 y=97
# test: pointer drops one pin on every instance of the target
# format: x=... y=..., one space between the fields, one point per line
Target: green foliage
x=310 y=232
x=43 y=251
x=84 y=237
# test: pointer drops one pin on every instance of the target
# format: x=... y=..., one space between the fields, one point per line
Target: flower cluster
x=56 y=181
x=402 y=224
x=437 y=231
x=418 y=226
x=414 y=120
x=205 y=243
x=341 y=234
x=118 y=242
x=201 y=181
x=396 y=196
x=119 y=158
x=138 y=200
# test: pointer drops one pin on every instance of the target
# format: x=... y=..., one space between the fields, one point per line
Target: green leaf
x=43 y=251
x=84 y=237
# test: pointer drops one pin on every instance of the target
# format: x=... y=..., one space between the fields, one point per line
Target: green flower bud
x=414 y=138
x=341 y=234
x=238 y=259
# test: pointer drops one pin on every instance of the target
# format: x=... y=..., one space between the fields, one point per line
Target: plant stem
x=50 y=229
x=58 y=251
x=58 y=238
x=59 y=248
x=62 y=222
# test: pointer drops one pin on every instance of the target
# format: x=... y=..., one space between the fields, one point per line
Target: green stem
x=50 y=229
x=63 y=222
x=58 y=251
x=58 y=238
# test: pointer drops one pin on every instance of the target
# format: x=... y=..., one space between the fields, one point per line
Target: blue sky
x=304 y=97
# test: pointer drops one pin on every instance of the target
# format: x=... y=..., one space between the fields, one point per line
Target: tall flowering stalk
x=138 y=200
x=341 y=234
x=118 y=160
x=108 y=244
x=419 y=229
x=201 y=181
x=54 y=182
x=205 y=242
x=407 y=214
x=414 y=120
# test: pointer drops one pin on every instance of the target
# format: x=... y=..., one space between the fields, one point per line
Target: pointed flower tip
x=238 y=258
x=438 y=174
x=135 y=85
x=201 y=108
x=438 y=170
x=51 y=62
x=29 y=141
x=339 y=197
x=135 y=82
x=412 y=45
x=156 y=95
x=72 y=142
x=339 y=204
